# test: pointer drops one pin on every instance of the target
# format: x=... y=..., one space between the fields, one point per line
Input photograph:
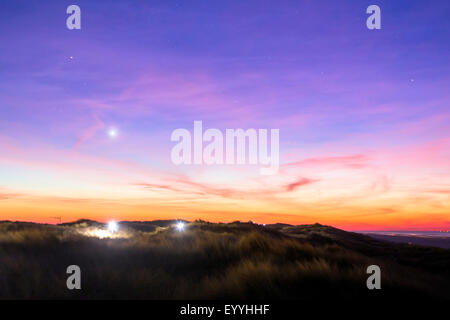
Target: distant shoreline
x=422 y=238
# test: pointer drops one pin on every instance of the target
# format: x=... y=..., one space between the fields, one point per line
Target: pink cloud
x=300 y=182
x=353 y=161
x=89 y=132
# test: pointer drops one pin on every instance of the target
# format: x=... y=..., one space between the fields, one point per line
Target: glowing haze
x=86 y=115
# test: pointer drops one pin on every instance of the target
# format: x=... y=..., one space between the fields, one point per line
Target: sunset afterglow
x=86 y=116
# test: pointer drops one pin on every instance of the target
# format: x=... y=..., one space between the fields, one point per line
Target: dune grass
x=211 y=261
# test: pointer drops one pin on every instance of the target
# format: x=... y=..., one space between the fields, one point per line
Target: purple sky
x=311 y=68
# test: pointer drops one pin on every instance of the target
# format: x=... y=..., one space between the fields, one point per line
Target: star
x=112 y=133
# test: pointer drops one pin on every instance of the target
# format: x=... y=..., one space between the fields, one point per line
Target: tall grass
x=207 y=261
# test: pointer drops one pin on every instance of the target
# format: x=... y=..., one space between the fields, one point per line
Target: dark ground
x=213 y=261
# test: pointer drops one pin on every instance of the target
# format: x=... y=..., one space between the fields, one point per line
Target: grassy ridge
x=211 y=261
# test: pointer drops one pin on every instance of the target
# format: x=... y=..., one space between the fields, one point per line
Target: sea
x=424 y=234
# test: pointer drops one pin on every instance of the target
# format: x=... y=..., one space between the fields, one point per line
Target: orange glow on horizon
x=44 y=211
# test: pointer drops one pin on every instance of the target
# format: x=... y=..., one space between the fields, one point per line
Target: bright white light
x=103 y=233
x=113 y=226
x=112 y=133
x=180 y=226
